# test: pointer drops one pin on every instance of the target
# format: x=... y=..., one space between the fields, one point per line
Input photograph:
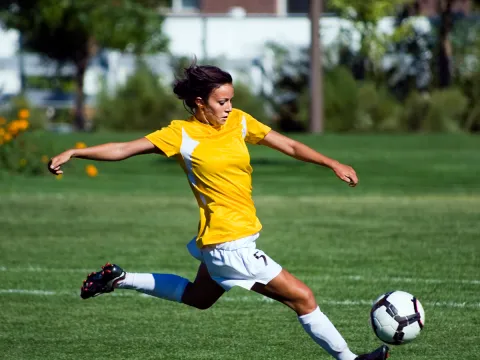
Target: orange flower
x=45 y=159
x=7 y=137
x=2 y=132
x=17 y=125
x=24 y=114
x=80 y=145
x=91 y=170
x=22 y=124
x=13 y=127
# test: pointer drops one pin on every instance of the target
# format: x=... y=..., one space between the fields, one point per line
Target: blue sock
x=165 y=286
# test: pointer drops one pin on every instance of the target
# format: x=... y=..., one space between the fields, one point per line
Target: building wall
x=431 y=7
x=250 y=6
x=235 y=42
x=428 y=8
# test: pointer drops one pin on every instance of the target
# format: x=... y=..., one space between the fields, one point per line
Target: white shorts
x=236 y=263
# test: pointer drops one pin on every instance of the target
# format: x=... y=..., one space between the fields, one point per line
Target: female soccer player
x=211 y=148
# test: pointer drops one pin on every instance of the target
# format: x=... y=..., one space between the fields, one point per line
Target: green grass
x=411 y=224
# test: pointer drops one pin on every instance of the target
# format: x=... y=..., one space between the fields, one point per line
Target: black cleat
x=380 y=354
x=98 y=283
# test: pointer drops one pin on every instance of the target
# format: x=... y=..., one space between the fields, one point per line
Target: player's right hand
x=55 y=163
x=346 y=173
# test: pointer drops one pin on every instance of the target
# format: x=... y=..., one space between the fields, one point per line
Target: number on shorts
x=260 y=257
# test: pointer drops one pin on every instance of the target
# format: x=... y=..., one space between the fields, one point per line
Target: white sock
x=164 y=286
x=324 y=333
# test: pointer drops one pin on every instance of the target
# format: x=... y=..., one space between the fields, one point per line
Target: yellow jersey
x=217 y=164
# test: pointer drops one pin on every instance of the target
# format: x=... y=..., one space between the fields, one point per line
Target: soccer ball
x=397 y=317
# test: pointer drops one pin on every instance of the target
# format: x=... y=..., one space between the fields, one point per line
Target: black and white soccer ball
x=397 y=317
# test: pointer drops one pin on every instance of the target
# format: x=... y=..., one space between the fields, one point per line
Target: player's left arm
x=302 y=152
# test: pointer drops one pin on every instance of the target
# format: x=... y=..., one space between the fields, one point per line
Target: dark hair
x=199 y=81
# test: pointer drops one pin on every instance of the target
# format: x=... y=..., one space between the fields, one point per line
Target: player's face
x=219 y=104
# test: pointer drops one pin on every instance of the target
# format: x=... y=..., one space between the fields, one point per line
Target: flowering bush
x=91 y=170
x=19 y=151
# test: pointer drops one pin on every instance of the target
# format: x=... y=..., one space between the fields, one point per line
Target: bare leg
x=292 y=292
x=203 y=292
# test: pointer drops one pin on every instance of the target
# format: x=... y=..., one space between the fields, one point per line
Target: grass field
x=412 y=224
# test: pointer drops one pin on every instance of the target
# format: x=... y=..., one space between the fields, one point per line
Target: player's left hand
x=346 y=173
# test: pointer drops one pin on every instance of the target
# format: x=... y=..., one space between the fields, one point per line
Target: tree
x=366 y=11
x=365 y=15
x=445 y=49
x=445 y=46
x=71 y=31
x=316 y=71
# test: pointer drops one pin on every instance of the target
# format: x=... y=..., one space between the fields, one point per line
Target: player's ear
x=199 y=102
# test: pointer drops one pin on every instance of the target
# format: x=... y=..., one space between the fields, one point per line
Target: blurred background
x=375 y=66
x=330 y=66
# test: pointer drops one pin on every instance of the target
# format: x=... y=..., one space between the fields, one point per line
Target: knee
x=306 y=302
x=200 y=297
x=203 y=304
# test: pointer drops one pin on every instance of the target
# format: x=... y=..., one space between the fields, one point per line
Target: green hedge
x=142 y=103
x=356 y=106
x=145 y=102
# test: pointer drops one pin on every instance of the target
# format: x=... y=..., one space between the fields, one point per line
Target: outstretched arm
x=302 y=152
x=104 y=152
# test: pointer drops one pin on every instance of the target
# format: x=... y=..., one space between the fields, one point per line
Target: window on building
x=303 y=6
x=298 y=6
x=179 y=6
x=191 y=4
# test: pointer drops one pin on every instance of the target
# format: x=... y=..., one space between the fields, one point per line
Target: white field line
x=360 y=278
x=237 y=299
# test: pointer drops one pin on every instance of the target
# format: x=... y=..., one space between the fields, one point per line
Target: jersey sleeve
x=167 y=139
x=256 y=130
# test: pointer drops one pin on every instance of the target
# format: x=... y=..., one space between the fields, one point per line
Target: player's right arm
x=105 y=152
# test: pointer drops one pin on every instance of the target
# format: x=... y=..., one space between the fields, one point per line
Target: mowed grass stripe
x=352 y=277
x=239 y=299
x=404 y=231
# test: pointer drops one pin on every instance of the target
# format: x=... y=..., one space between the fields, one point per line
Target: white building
x=235 y=39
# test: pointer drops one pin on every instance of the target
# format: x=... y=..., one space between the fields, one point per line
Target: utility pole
x=316 y=71
x=204 y=19
x=21 y=62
